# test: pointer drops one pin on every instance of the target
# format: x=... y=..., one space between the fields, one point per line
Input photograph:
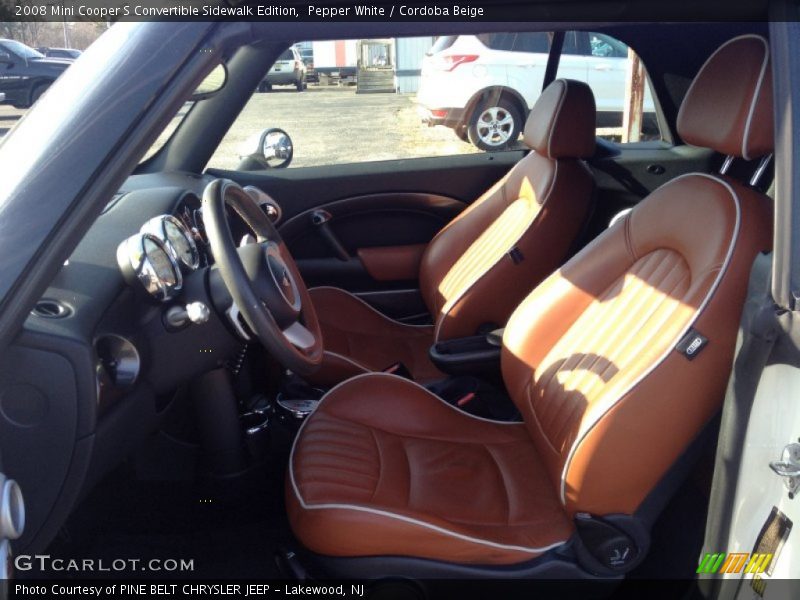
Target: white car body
x=457 y=73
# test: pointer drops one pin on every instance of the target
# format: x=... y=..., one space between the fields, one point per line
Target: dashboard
x=102 y=357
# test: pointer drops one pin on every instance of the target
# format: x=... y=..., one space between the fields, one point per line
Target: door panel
x=761 y=417
x=626 y=173
x=370 y=229
x=403 y=204
x=462 y=177
x=373 y=208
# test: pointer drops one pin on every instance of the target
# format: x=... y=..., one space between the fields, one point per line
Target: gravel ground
x=328 y=125
x=334 y=125
x=8 y=117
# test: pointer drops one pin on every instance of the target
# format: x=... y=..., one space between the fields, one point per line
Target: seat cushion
x=384 y=467
x=359 y=339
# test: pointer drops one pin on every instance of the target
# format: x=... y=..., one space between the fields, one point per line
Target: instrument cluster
x=162 y=252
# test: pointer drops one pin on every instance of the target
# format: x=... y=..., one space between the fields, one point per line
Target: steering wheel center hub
x=282 y=279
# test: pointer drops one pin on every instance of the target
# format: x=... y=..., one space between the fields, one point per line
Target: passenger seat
x=484 y=262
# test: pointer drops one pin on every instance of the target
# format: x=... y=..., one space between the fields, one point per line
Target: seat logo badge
x=692 y=344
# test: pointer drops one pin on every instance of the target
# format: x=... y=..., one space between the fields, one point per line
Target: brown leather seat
x=591 y=358
x=467 y=275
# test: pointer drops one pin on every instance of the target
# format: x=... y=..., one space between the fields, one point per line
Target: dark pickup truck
x=25 y=73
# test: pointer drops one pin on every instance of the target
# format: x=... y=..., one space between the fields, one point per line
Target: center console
x=473 y=355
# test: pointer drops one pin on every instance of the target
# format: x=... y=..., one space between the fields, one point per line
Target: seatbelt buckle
x=465 y=399
x=399 y=369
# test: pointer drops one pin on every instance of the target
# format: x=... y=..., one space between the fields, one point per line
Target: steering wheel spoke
x=300 y=337
x=262 y=278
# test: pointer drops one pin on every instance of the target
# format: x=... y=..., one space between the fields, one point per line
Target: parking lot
x=334 y=125
x=8 y=117
x=329 y=125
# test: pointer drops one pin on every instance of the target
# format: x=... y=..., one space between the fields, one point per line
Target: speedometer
x=178 y=240
x=144 y=259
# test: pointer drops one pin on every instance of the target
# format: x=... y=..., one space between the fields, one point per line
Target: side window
x=361 y=100
x=626 y=111
x=532 y=42
x=498 y=41
x=607 y=47
x=572 y=43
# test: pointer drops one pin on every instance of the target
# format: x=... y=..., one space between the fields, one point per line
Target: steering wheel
x=263 y=279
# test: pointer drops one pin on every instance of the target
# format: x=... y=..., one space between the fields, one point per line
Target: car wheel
x=300 y=85
x=461 y=133
x=494 y=125
x=264 y=86
x=37 y=92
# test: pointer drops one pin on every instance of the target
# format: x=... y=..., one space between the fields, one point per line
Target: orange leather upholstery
x=384 y=466
x=392 y=263
x=739 y=122
x=564 y=123
x=358 y=339
x=589 y=358
x=467 y=275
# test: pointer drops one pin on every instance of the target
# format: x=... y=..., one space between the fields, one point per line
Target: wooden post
x=634 y=99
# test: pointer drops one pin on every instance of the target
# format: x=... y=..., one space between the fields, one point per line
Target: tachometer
x=145 y=259
x=178 y=240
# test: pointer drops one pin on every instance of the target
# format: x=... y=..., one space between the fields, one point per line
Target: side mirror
x=274 y=151
x=276 y=148
x=5 y=58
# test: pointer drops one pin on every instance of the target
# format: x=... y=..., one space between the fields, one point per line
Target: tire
x=264 y=87
x=37 y=92
x=300 y=85
x=461 y=133
x=494 y=124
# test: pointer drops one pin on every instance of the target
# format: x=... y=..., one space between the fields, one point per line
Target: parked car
x=25 y=74
x=68 y=53
x=483 y=86
x=306 y=51
x=289 y=69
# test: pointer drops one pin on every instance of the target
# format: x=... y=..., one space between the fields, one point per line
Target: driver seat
x=616 y=362
x=483 y=263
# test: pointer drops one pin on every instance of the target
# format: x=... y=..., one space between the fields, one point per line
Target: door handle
x=602 y=67
x=788 y=468
x=320 y=219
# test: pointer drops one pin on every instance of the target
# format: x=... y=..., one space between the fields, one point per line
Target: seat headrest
x=562 y=122
x=728 y=107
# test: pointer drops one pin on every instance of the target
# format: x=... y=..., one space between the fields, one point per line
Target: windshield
x=21 y=49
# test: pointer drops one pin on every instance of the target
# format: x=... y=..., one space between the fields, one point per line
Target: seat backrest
x=478 y=268
x=606 y=359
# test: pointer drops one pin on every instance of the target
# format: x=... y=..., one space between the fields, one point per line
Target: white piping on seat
x=758 y=86
x=753 y=102
x=347 y=359
x=396 y=516
x=451 y=303
x=586 y=429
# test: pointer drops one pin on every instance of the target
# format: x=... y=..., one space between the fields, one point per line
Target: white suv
x=289 y=69
x=483 y=86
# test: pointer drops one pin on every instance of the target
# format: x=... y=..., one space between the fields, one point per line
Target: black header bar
x=384 y=10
